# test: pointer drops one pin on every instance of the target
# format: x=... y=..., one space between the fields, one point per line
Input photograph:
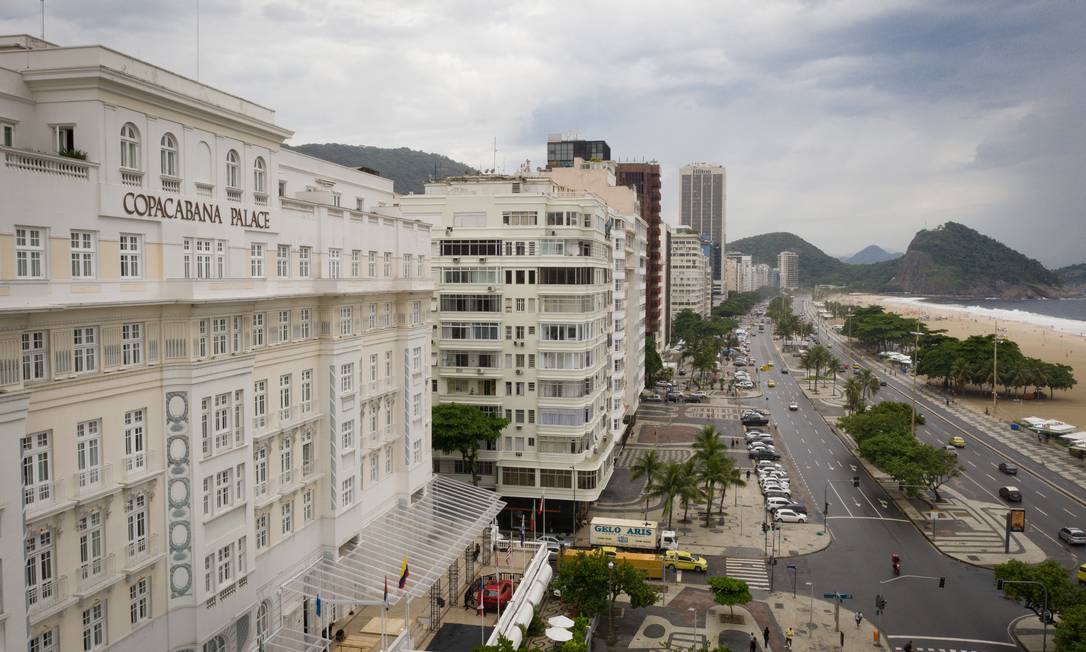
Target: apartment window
x=337 y=198
x=308 y=459
x=131 y=344
x=407 y=265
x=373 y=367
x=388 y=264
x=284 y=396
x=136 y=516
x=239 y=483
x=388 y=460
x=83 y=254
x=333 y=263
x=233 y=169
x=307 y=388
x=225 y=564
x=282 y=261
x=303 y=261
x=65 y=138
x=388 y=316
x=40 y=581
x=388 y=365
x=85 y=344
x=135 y=442
x=416 y=409
x=286 y=455
x=422 y=266
x=35 y=355
x=373 y=316
x=130 y=147
x=260 y=175
x=416 y=313
x=262 y=521
x=260 y=402
x=200 y=348
x=347 y=432
x=91 y=546
x=94 y=627
x=346 y=377
x=346 y=314
x=8 y=136
x=88 y=452
x=284 y=326
x=224 y=489
x=519 y=218
x=131 y=247
x=287 y=516
x=375 y=472
x=205 y=427
x=518 y=477
x=416 y=448
x=371 y=270
x=221 y=420
x=139 y=601
x=307 y=506
x=416 y=358
x=219 y=336
x=256 y=260
x=168 y=155
x=306 y=319
x=348 y=492
x=356 y=263
x=29 y=253
x=373 y=419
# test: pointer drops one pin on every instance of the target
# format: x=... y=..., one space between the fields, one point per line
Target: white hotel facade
x=539 y=318
x=214 y=360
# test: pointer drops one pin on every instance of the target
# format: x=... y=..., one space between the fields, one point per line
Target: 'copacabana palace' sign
x=172 y=208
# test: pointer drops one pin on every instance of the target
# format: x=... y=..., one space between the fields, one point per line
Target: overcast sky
x=848 y=122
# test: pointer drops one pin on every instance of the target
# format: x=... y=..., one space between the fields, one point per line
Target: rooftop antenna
x=494 y=163
x=43 y=20
x=197 y=39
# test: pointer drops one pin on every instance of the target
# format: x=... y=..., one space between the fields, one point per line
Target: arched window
x=130 y=147
x=233 y=169
x=262 y=622
x=260 y=175
x=215 y=645
x=203 y=163
x=169 y=155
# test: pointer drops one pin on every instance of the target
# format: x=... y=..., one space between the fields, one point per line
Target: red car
x=496 y=593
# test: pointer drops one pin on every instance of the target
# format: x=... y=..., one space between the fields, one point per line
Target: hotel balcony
x=470 y=372
x=44 y=599
x=139 y=552
x=139 y=466
x=93 y=574
x=93 y=482
x=280 y=419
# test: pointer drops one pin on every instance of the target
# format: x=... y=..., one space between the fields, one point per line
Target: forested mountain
x=409 y=169
x=1073 y=277
x=815 y=265
x=870 y=254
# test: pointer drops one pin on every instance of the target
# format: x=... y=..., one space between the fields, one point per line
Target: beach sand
x=1034 y=340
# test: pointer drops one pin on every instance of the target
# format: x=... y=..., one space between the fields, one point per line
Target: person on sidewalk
x=909 y=647
x=753 y=642
x=765 y=636
x=788 y=637
x=859 y=618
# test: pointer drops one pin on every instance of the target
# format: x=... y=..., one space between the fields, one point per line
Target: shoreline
x=1037 y=336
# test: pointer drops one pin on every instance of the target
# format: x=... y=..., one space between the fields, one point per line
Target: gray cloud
x=847 y=122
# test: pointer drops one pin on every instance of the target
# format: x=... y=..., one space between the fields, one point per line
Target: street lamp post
x=694 y=613
x=792 y=567
x=826 y=497
x=610 y=605
x=916 y=346
x=1044 y=608
x=810 y=617
x=573 y=478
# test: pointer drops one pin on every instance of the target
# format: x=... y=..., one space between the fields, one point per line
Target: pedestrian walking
x=909 y=647
x=859 y=618
x=753 y=642
x=748 y=474
x=788 y=637
x=765 y=636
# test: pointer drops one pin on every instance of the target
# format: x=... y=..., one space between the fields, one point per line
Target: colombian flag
x=404 y=573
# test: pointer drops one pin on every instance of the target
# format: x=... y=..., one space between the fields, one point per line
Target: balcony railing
x=46 y=594
x=233 y=194
x=61 y=166
x=309 y=469
x=140 y=550
x=94 y=572
x=41 y=494
x=170 y=184
x=132 y=178
x=89 y=481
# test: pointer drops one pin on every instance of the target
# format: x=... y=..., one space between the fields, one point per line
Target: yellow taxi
x=771 y=383
x=1082 y=574
x=957 y=442
x=682 y=560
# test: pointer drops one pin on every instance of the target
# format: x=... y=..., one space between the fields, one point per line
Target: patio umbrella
x=560 y=621
x=558 y=634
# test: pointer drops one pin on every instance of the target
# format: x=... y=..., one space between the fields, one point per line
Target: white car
x=775 y=503
x=789 y=516
x=767 y=464
x=793 y=406
x=774 y=486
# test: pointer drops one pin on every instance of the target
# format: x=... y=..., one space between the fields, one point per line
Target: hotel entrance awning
x=430 y=532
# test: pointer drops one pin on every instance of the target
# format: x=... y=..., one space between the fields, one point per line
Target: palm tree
x=648 y=466
x=707 y=443
x=869 y=383
x=854 y=397
x=835 y=365
x=688 y=490
x=713 y=471
x=734 y=479
x=669 y=482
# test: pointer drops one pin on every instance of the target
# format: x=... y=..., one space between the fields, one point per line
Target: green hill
x=409 y=169
x=1072 y=274
x=815 y=266
x=955 y=260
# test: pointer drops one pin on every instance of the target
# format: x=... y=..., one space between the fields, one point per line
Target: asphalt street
x=1050 y=501
x=968 y=614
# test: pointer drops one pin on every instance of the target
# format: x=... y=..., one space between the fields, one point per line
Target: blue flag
x=318 y=607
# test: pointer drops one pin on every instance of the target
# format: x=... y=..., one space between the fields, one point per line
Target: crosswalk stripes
x=751 y=571
x=920 y=648
x=628 y=457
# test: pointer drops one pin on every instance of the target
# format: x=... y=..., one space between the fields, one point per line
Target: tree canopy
x=1062 y=594
x=464 y=428
x=729 y=591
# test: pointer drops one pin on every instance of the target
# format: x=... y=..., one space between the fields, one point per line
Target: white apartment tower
x=214 y=367
x=525 y=327
x=702 y=207
x=788 y=263
x=691 y=273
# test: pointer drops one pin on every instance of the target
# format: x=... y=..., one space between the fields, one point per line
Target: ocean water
x=1065 y=315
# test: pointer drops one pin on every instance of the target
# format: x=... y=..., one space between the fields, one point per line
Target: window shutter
x=111 y=347
x=356 y=319
x=271 y=327
x=296 y=323
x=246 y=332
x=62 y=345
x=194 y=329
x=152 y=335
x=176 y=337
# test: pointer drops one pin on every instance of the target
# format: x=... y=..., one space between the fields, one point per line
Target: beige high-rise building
x=214 y=371
x=703 y=207
x=788 y=263
x=691 y=273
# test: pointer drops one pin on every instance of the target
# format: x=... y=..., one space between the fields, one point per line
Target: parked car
x=1081 y=574
x=554 y=544
x=1010 y=494
x=793 y=406
x=784 y=370
x=764 y=455
x=789 y=516
x=651 y=398
x=779 y=493
x=700 y=395
x=799 y=508
x=496 y=594
x=766 y=464
x=1009 y=469
x=776 y=503
x=694 y=398
x=683 y=560
x=1073 y=536
x=754 y=420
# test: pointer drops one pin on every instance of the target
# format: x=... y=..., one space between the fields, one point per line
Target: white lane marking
x=816 y=464
x=990 y=477
x=872 y=518
x=1069 y=512
x=869 y=502
x=972 y=464
x=1041 y=511
x=809 y=452
x=1040 y=494
x=954 y=640
x=843 y=504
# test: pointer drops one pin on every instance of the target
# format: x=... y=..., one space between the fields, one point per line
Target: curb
x=1013 y=633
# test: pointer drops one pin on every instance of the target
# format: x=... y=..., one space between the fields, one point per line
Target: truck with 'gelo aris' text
x=631 y=534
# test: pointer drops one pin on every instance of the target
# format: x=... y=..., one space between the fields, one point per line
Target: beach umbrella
x=558 y=634
x=560 y=621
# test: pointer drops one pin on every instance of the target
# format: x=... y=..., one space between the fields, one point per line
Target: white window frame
x=130 y=147
x=284 y=327
x=139 y=601
x=135 y=440
x=256 y=260
x=94 y=627
x=260 y=175
x=257 y=324
x=131 y=248
x=84 y=349
x=304 y=257
x=333 y=263
x=168 y=156
x=131 y=344
x=233 y=169
x=282 y=261
x=286 y=518
x=83 y=249
x=347 y=434
x=31 y=252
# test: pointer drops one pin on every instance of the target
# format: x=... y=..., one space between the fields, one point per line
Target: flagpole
x=384 y=608
x=543 y=508
x=482 y=610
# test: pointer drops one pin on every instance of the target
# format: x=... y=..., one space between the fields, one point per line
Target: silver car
x=1073 y=536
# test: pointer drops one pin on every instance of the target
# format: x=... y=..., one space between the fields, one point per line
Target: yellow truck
x=649 y=564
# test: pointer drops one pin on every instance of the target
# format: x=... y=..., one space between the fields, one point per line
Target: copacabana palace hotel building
x=214 y=371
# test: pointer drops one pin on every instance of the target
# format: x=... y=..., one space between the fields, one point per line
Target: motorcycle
x=895 y=561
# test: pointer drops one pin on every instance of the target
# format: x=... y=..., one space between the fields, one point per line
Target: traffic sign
x=838 y=596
